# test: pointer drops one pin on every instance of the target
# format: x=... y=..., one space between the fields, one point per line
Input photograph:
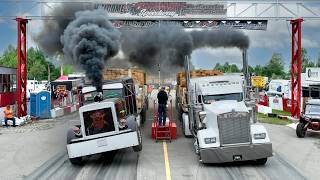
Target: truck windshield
x=112 y=93
x=219 y=97
x=312 y=109
x=107 y=93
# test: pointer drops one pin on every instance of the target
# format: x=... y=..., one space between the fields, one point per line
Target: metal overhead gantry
x=235 y=9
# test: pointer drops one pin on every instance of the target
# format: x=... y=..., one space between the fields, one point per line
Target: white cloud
x=206 y=58
x=278 y=34
x=309 y=43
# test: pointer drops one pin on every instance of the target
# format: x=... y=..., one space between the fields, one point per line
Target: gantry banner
x=164 y=9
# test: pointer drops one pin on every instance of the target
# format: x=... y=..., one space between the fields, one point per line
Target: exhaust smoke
x=89 y=40
x=166 y=45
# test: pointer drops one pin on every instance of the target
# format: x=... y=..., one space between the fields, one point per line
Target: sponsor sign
x=213 y=24
x=276 y=103
x=164 y=9
x=192 y=14
x=258 y=81
x=313 y=74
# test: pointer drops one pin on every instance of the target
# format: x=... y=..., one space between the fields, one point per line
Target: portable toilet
x=40 y=104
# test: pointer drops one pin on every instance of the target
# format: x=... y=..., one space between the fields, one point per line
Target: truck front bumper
x=103 y=144
x=236 y=153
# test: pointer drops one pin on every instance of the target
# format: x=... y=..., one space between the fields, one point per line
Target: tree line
x=274 y=69
x=37 y=64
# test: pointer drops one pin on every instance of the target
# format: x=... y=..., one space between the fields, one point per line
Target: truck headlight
x=259 y=136
x=210 y=140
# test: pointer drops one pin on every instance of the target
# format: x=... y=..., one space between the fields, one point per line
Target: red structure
x=22 y=67
x=296 y=68
x=7 y=83
x=167 y=132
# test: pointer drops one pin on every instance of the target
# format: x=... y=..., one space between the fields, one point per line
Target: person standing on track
x=162 y=108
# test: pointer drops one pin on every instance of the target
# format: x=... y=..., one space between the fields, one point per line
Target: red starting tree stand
x=296 y=68
x=22 y=67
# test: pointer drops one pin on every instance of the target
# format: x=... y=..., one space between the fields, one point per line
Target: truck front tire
x=70 y=136
x=300 y=131
x=139 y=146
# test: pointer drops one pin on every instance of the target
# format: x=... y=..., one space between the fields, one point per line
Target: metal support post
x=296 y=68
x=22 y=67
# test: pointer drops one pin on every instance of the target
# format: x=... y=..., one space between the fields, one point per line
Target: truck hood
x=221 y=107
x=312 y=116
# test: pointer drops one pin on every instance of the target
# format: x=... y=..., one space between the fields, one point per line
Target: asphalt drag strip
x=120 y=164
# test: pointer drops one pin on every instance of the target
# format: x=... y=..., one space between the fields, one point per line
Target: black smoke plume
x=49 y=37
x=226 y=38
x=166 y=45
x=89 y=40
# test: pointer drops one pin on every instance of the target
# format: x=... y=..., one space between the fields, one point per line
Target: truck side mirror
x=199 y=99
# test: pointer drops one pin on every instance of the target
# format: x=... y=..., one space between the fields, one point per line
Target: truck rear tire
x=262 y=161
x=70 y=136
x=139 y=146
x=300 y=131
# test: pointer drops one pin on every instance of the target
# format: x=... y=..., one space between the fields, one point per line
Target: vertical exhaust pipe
x=246 y=74
x=250 y=102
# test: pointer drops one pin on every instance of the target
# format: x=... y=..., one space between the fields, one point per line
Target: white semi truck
x=222 y=123
x=110 y=123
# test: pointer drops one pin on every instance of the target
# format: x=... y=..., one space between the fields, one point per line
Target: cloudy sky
x=277 y=38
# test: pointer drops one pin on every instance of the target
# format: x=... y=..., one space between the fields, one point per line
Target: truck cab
x=222 y=123
x=106 y=125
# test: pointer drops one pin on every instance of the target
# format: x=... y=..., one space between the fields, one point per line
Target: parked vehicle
x=310 y=118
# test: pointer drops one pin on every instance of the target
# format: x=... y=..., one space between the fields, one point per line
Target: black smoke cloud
x=166 y=45
x=49 y=37
x=220 y=38
x=89 y=40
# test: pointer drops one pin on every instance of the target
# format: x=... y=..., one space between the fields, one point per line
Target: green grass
x=265 y=119
x=284 y=113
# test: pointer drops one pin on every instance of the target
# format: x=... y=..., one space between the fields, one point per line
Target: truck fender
x=185 y=125
x=138 y=120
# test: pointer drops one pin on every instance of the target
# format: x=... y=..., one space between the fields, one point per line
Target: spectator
x=8 y=115
x=149 y=90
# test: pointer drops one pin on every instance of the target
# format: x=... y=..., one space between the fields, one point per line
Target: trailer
x=139 y=80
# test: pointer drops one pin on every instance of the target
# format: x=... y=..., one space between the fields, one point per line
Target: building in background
x=8 y=81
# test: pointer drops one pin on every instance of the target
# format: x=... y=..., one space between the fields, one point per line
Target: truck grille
x=234 y=128
x=98 y=121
